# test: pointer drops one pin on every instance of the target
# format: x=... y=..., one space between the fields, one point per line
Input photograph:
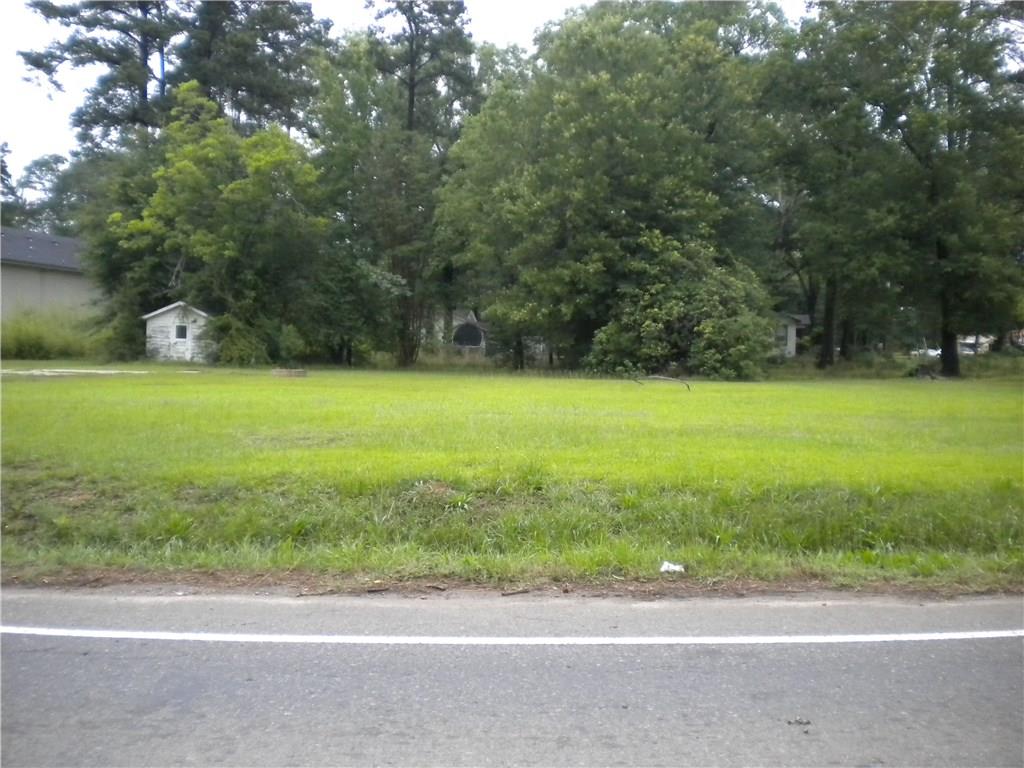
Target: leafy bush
x=685 y=309
x=290 y=344
x=124 y=338
x=45 y=336
x=239 y=344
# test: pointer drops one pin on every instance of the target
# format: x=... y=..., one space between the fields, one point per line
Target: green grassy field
x=515 y=478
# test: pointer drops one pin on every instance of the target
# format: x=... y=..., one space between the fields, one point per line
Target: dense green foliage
x=638 y=195
x=508 y=477
x=924 y=148
x=228 y=217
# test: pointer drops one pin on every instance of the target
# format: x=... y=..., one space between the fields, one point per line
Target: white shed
x=786 y=332
x=175 y=332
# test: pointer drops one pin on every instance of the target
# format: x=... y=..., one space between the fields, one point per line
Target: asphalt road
x=313 y=701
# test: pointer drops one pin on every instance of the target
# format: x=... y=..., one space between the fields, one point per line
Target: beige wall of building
x=44 y=290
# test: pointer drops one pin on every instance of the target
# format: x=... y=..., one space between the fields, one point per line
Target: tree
x=131 y=39
x=931 y=80
x=358 y=293
x=111 y=187
x=392 y=107
x=13 y=206
x=395 y=205
x=706 y=317
x=255 y=60
x=48 y=186
x=481 y=216
x=428 y=62
x=233 y=225
x=598 y=186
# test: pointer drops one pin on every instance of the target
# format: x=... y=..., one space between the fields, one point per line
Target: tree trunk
x=161 y=50
x=409 y=332
x=950 y=347
x=811 y=302
x=143 y=86
x=847 y=339
x=827 y=355
x=411 y=121
x=408 y=350
x=410 y=117
x=449 y=325
x=950 y=353
x=519 y=354
x=143 y=92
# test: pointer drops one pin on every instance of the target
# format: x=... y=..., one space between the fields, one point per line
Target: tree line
x=640 y=194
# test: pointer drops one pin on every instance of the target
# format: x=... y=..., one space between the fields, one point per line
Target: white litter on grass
x=667 y=567
x=72 y=372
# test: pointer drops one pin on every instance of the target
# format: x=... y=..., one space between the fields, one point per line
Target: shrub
x=684 y=308
x=239 y=344
x=1008 y=362
x=45 y=336
x=290 y=344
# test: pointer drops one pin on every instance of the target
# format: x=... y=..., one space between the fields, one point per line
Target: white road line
x=224 y=637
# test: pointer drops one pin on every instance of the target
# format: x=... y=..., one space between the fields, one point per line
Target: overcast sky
x=35 y=119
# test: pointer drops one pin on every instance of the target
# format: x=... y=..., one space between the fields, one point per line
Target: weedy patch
x=433 y=492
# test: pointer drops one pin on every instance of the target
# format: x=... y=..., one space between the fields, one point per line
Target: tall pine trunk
x=519 y=354
x=950 y=346
x=847 y=339
x=409 y=332
x=827 y=355
x=449 y=324
x=162 y=52
x=811 y=302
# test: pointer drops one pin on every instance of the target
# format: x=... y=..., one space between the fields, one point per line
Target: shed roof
x=175 y=305
x=40 y=250
x=800 y=321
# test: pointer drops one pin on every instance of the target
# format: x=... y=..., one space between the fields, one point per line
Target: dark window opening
x=181 y=331
x=468 y=335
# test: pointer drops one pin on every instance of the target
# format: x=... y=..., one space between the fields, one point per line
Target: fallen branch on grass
x=663 y=378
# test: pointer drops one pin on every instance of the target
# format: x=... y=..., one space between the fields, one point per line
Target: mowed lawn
x=515 y=478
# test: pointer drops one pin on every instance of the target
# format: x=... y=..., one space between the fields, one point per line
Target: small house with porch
x=175 y=332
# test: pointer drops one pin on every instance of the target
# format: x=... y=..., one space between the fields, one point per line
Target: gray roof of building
x=38 y=249
x=800 y=321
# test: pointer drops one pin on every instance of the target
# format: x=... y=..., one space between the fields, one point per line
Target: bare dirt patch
x=72 y=372
x=305 y=584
